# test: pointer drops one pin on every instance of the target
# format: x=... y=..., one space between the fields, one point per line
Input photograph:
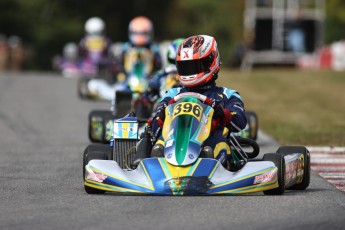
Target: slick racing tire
x=252 y=120
x=98 y=148
x=279 y=162
x=95 y=152
x=285 y=150
x=82 y=87
x=122 y=103
x=97 y=128
x=142 y=111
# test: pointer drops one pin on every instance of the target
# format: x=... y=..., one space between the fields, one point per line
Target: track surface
x=43 y=132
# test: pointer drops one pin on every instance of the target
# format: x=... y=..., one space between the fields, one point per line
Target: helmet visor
x=191 y=67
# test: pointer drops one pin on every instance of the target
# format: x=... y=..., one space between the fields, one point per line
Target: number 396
x=188 y=108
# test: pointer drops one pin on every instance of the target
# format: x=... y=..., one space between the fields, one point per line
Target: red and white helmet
x=197 y=60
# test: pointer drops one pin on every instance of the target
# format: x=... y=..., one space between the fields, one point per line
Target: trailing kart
x=184 y=166
x=126 y=95
x=133 y=77
x=90 y=85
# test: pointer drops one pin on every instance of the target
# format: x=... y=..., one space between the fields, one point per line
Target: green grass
x=295 y=107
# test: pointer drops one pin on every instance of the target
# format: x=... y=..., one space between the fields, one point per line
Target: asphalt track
x=43 y=127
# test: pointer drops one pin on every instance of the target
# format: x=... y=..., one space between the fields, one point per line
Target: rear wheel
x=122 y=103
x=82 y=87
x=252 y=120
x=142 y=110
x=95 y=152
x=285 y=150
x=98 y=120
x=279 y=162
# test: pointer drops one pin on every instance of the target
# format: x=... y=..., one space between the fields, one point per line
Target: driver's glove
x=222 y=115
x=160 y=114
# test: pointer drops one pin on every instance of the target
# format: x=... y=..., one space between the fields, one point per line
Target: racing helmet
x=172 y=50
x=70 y=50
x=94 y=26
x=197 y=60
x=140 y=31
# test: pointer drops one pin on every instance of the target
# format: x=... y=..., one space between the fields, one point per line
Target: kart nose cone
x=189 y=185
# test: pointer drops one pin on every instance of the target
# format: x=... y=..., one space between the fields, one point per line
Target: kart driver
x=198 y=64
x=140 y=33
x=94 y=47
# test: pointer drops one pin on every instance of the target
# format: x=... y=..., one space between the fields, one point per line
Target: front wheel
x=279 y=162
x=95 y=152
x=82 y=87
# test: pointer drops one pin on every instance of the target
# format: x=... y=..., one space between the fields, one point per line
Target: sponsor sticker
x=205 y=49
x=125 y=130
x=187 y=53
x=169 y=143
x=96 y=177
x=266 y=177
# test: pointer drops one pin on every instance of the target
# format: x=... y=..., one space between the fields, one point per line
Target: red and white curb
x=329 y=163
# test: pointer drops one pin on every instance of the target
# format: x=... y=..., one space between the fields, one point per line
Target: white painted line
x=327 y=161
x=325 y=155
x=333 y=175
x=338 y=182
x=329 y=169
x=326 y=149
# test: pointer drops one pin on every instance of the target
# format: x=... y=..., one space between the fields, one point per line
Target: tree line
x=45 y=26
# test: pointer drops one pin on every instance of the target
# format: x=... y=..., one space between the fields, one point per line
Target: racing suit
x=154 y=48
x=229 y=99
x=94 y=48
x=161 y=82
x=94 y=54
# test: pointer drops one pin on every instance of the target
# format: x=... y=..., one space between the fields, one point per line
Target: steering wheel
x=204 y=99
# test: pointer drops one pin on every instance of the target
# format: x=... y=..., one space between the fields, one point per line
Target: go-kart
x=99 y=74
x=95 y=64
x=137 y=67
x=101 y=121
x=183 y=165
x=126 y=95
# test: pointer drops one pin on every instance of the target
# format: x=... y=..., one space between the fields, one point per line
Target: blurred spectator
x=241 y=49
x=16 y=53
x=296 y=34
x=3 y=52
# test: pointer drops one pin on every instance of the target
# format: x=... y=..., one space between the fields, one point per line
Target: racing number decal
x=95 y=44
x=187 y=108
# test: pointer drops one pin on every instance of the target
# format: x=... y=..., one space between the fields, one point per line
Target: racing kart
x=125 y=95
x=100 y=122
x=183 y=165
x=100 y=75
x=134 y=76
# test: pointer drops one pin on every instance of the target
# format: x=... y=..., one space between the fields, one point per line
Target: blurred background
x=36 y=30
x=294 y=106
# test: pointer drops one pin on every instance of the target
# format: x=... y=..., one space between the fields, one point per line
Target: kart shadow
x=257 y=194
